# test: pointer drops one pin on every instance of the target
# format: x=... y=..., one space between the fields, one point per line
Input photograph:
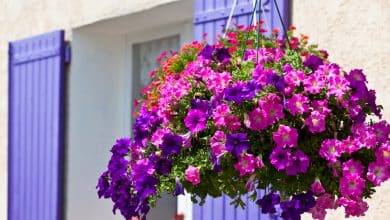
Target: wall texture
x=356 y=35
x=24 y=18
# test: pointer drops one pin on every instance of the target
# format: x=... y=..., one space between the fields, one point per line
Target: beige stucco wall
x=356 y=35
x=23 y=18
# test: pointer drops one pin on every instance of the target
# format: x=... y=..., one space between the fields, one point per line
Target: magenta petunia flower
x=247 y=163
x=217 y=143
x=192 y=175
x=330 y=150
x=317 y=187
x=325 y=201
x=352 y=167
x=220 y=113
x=256 y=120
x=286 y=136
x=232 y=122
x=321 y=106
x=272 y=106
x=338 y=86
x=378 y=172
x=352 y=185
x=298 y=104
x=382 y=131
x=316 y=122
x=349 y=145
x=314 y=83
x=383 y=153
x=294 y=77
x=280 y=158
x=353 y=207
x=195 y=120
x=298 y=163
x=157 y=137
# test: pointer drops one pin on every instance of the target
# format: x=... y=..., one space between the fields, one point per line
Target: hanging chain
x=247 y=35
x=281 y=21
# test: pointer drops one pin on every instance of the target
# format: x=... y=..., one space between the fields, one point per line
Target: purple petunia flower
x=171 y=144
x=104 y=185
x=163 y=166
x=222 y=55
x=306 y=201
x=250 y=89
x=207 y=52
x=280 y=158
x=312 y=62
x=216 y=162
x=121 y=147
x=179 y=190
x=117 y=166
x=202 y=105
x=268 y=202
x=235 y=94
x=146 y=186
x=145 y=125
x=298 y=163
x=277 y=81
x=195 y=120
x=291 y=209
x=237 y=143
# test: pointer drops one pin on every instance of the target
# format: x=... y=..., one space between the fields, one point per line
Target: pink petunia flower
x=273 y=107
x=352 y=167
x=256 y=120
x=158 y=135
x=383 y=153
x=321 y=106
x=192 y=175
x=352 y=185
x=378 y=172
x=382 y=131
x=298 y=104
x=286 y=136
x=232 y=122
x=220 y=113
x=326 y=201
x=353 y=207
x=317 y=187
x=330 y=150
x=294 y=77
x=316 y=122
x=349 y=145
x=314 y=83
x=337 y=86
x=247 y=163
x=217 y=143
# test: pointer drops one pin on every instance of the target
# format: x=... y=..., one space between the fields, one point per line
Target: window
x=144 y=60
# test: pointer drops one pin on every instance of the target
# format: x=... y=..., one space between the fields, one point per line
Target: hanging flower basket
x=252 y=112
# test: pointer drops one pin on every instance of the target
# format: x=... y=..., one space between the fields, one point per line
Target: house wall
x=356 y=35
x=24 y=18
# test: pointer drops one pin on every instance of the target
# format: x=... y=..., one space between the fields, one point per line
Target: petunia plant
x=252 y=112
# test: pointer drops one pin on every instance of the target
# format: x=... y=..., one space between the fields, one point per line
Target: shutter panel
x=210 y=17
x=36 y=119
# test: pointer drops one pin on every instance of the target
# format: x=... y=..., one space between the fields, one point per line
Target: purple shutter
x=36 y=127
x=210 y=17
